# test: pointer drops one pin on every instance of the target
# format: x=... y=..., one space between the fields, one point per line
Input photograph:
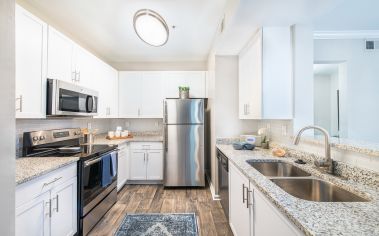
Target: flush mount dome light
x=151 y=27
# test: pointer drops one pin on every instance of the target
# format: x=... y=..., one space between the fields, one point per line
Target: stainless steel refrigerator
x=184 y=142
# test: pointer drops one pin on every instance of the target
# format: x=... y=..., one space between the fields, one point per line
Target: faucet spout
x=327 y=164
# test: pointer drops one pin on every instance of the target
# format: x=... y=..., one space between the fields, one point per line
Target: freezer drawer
x=184 y=111
x=184 y=155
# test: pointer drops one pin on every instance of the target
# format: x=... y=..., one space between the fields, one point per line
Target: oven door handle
x=91 y=162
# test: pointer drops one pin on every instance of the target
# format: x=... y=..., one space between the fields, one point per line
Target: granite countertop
x=101 y=139
x=313 y=218
x=28 y=168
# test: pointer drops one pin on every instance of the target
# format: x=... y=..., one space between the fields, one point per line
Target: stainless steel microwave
x=67 y=99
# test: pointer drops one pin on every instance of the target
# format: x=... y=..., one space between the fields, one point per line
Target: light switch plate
x=127 y=124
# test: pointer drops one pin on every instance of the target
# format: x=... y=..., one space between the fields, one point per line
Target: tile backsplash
x=103 y=125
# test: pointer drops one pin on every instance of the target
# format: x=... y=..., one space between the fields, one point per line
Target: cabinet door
x=265 y=216
x=123 y=166
x=239 y=212
x=60 y=63
x=250 y=80
x=85 y=64
x=64 y=209
x=130 y=89
x=152 y=95
x=32 y=218
x=154 y=169
x=196 y=81
x=137 y=165
x=31 y=56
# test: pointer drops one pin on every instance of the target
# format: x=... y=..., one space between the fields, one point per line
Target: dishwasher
x=223 y=181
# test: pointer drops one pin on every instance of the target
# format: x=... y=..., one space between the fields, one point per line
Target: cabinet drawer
x=146 y=145
x=29 y=190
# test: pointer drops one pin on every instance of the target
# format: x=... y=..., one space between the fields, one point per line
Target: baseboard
x=215 y=196
x=144 y=182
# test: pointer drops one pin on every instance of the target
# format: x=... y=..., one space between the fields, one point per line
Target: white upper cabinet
x=31 y=55
x=61 y=63
x=265 y=75
x=152 y=95
x=195 y=80
x=140 y=95
x=129 y=93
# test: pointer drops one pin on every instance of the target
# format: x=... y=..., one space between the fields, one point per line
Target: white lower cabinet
x=251 y=213
x=239 y=212
x=146 y=161
x=48 y=204
x=32 y=218
x=123 y=166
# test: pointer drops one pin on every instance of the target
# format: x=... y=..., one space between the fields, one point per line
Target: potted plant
x=184 y=92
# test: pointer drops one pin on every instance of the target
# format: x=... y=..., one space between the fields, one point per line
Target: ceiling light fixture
x=151 y=27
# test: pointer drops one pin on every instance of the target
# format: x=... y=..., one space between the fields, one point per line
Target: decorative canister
x=183 y=92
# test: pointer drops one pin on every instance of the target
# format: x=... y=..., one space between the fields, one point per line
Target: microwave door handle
x=89 y=104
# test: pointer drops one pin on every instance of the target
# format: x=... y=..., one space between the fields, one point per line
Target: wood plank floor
x=156 y=199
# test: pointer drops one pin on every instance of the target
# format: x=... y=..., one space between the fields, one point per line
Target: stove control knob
x=41 y=138
x=35 y=138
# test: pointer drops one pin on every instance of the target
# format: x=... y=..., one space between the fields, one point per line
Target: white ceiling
x=106 y=27
x=350 y=15
x=252 y=14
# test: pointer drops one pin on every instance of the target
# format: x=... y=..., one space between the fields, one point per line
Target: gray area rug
x=158 y=225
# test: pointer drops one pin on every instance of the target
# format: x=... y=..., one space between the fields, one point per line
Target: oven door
x=71 y=100
x=92 y=189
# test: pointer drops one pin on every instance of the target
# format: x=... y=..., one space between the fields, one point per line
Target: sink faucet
x=327 y=164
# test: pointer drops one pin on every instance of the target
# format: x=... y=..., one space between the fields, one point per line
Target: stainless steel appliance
x=184 y=142
x=223 y=181
x=97 y=170
x=67 y=99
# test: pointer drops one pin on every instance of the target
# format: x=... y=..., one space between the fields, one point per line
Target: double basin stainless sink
x=300 y=184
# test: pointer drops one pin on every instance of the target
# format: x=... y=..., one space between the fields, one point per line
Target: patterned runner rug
x=183 y=224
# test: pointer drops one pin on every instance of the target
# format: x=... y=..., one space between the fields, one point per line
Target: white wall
x=7 y=118
x=302 y=75
x=362 y=73
x=322 y=101
x=161 y=66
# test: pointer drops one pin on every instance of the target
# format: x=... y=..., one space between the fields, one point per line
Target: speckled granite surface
x=138 y=137
x=313 y=218
x=28 y=168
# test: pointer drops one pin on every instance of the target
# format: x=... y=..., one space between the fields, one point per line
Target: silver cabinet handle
x=147 y=157
x=50 y=208
x=51 y=182
x=47 y=205
x=73 y=76
x=57 y=208
x=56 y=198
x=248 y=203
x=144 y=157
x=20 y=103
x=243 y=193
x=78 y=76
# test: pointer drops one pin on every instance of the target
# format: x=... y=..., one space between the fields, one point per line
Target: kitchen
x=137 y=118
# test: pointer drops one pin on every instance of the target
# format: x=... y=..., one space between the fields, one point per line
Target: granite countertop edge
x=295 y=209
x=101 y=139
x=22 y=175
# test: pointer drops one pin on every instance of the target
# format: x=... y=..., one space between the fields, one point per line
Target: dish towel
x=114 y=164
x=106 y=169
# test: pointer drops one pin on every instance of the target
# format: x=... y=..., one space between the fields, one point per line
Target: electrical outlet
x=284 y=130
x=89 y=125
x=127 y=124
x=156 y=124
